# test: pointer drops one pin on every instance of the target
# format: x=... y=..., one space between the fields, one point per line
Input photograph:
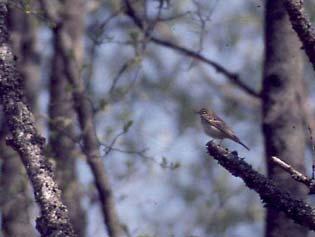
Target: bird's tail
x=243 y=144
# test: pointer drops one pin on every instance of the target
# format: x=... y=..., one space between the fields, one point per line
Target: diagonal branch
x=54 y=219
x=302 y=26
x=297 y=175
x=272 y=196
x=233 y=77
x=306 y=33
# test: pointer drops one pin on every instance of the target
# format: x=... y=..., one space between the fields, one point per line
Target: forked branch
x=271 y=195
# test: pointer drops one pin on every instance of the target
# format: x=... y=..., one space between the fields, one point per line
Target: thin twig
x=121 y=71
x=296 y=175
x=233 y=77
x=309 y=129
x=111 y=145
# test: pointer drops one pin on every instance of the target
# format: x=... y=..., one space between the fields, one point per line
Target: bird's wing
x=217 y=122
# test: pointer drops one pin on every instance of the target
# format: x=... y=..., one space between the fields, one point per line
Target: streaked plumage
x=216 y=128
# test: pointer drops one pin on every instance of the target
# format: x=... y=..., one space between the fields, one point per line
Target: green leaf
x=175 y=165
x=127 y=126
x=164 y=163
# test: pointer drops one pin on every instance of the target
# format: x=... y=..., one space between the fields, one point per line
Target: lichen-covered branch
x=302 y=26
x=273 y=197
x=26 y=140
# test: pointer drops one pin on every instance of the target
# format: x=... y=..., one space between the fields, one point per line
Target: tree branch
x=306 y=33
x=302 y=26
x=296 y=175
x=54 y=219
x=84 y=112
x=233 y=77
x=299 y=211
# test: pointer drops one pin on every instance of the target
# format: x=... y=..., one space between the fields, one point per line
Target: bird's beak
x=196 y=112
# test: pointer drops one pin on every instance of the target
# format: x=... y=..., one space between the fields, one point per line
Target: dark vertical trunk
x=15 y=195
x=84 y=110
x=282 y=116
x=62 y=116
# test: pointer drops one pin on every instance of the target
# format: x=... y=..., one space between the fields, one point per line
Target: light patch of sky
x=142 y=202
x=182 y=147
x=84 y=170
x=109 y=63
x=246 y=230
x=95 y=226
x=44 y=46
x=44 y=41
x=218 y=27
x=167 y=60
x=157 y=127
x=248 y=49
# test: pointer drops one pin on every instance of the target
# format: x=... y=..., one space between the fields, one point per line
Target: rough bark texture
x=83 y=107
x=302 y=25
x=271 y=195
x=25 y=139
x=61 y=113
x=282 y=116
x=15 y=194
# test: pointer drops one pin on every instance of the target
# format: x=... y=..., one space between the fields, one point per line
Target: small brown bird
x=216 y=128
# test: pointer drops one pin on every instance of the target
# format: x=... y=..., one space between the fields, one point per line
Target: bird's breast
x=212 y=131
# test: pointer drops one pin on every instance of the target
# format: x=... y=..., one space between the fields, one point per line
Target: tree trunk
x=26 y=140
x=61 y=113
x=282 y=114
x=84 y=110
x=15 y=195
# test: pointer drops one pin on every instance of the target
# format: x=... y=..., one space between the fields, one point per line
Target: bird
x=216 y=128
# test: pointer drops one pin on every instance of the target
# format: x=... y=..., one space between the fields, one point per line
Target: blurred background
x=143 y=98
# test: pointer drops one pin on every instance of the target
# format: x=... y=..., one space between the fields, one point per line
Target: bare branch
x=272 y=196
x=113 y=142
x=298 y=176
x=121 y=71
x=234 y=78
x=302 y=26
